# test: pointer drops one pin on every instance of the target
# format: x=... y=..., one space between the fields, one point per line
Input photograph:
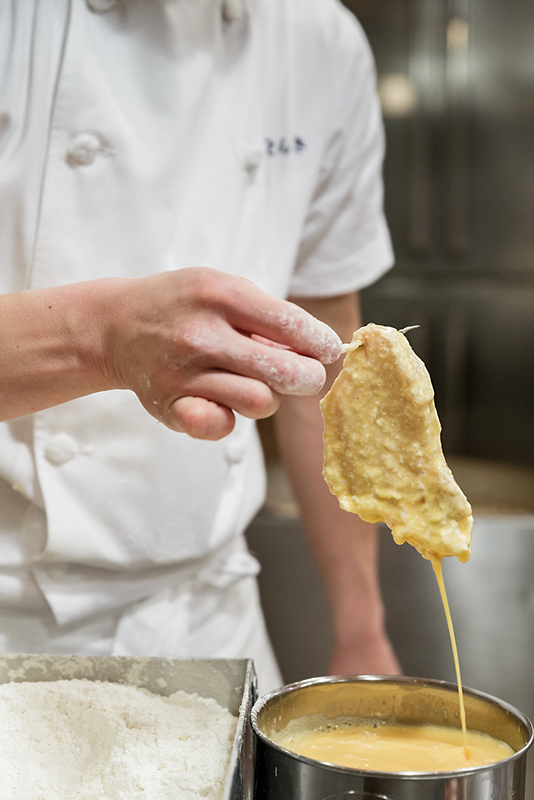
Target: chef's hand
x=196 y=345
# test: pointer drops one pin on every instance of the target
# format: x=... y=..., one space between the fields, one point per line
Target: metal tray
x=231 y=682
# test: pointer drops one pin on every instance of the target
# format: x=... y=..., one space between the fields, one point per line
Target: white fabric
x=207 y=609
x=150 y=135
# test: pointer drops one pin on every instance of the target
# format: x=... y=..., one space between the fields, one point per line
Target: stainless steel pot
x=282 y=775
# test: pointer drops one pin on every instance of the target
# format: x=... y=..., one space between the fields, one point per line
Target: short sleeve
x=345 y=243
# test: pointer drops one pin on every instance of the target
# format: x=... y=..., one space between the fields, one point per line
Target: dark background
x=459 y=177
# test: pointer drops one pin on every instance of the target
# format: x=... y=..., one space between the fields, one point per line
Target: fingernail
x=335 y=349
x=306 y=378
x=325 y=342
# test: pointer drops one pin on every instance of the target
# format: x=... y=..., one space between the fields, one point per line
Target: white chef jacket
x=138 y=136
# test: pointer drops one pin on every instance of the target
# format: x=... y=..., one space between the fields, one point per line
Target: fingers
x=200 y=418
x=286 y=372
x=207 y=413
x=249 y=397
x=281 y=322
x=292 y=326
x=219 y=343
x=232 y=352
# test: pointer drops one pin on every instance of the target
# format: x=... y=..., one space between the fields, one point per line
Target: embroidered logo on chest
x=284 y=145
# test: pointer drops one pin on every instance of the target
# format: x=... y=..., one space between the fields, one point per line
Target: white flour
x=87 y=740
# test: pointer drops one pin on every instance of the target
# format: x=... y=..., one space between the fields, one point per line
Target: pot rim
x=392 y=679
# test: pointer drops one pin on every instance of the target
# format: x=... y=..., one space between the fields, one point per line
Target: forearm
x=51 y=345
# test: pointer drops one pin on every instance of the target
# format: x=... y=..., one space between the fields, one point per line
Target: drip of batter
x=436 y=564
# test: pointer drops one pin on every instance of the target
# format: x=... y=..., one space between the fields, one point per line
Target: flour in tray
x=92 y=740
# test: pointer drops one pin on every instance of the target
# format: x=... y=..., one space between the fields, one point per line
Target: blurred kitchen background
x=456 y=82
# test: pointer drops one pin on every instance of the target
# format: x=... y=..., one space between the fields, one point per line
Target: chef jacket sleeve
x=345 y=243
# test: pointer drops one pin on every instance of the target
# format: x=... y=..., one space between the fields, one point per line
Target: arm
x=344 y=546
x=195 y=345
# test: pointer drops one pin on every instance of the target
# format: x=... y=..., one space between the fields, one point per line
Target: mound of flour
x=87 y=740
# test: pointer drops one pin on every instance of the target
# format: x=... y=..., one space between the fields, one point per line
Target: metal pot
x=282 y=775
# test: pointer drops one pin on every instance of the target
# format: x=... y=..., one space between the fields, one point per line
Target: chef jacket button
x=234 y=452
x=101 y=6
x=60 y=448
x=83 y=150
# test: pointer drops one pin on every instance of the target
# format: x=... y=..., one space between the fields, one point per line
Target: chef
x=170 y=172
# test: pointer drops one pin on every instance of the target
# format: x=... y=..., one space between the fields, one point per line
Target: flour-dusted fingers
x=280 y=368
x=285 y=323
x=207 y=412
x=248 y=308
x=202 y=333
x=247 y=396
